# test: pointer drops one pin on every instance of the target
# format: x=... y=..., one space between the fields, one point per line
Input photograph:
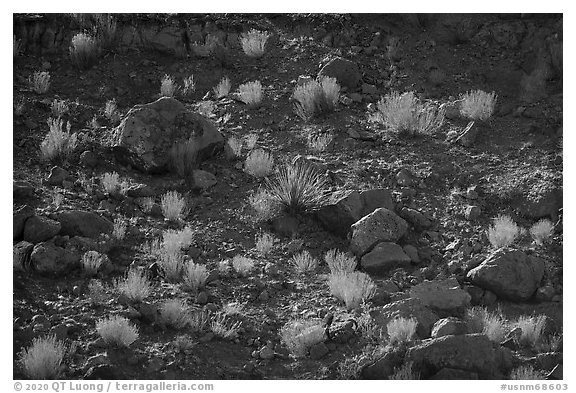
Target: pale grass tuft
x=319 y=143
x=40 y=81
x=251 y=93
x=174 y=313
x=233 y=148
x=242 y=265
x=59 y=108
x=503 y=232
x=405 y=372
x=493 y=325
x=401 y=330
x=315 y=97
x=173 y=206
x=135 y=285
x=117 y=330
x=251 y=140
x=43 y=359
x=184 y=158
x=57 y=142
x=222 y=89
x=119 y=229
x=199 y=321
x=478 y=105
x=264 y=207
x=84 y=50
x=234 y=308
x=111 y=111
x=532 y=329
x=300 y=335
x=189 y=86
x=168 y=87
x=351 y=288
x=97 y=292
x=259 y=163
x=195 y=276
x=254 y=43
x=340 y=262
x=264 y=243
x=91 y=262
x=111 y=182
x=541 y=231
x=304 y=262
x=524 y=373
x=224 y=329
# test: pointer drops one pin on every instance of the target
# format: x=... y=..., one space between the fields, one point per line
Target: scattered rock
x=449 y=326
x=510 y=274
x=417 y=219
x=345 y=71
x=19 y=218
x=441 y=294
x=83 y=223
x=546 y=204
x=382 y=225
x=40 y=229
x=57 y=176
x=141 y=191
x=267 y=352
x=383 y=367
x=202 y=179
x=202 y=298
x=384 y=257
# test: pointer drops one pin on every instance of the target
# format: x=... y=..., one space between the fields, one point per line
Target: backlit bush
x=503 y=232
x=57 y=143
x=478 y=105
x=168 y=86
x=541 y=231
x=40 y=81
x=401 y=330
x=135 y=286
x=351 y=288
x=195 y=276
x=84 y=50
x=173 y=206
x=222 y=89
x=117 y=331
x=314 y=97
x=340 y=262
x=300 y=335
x=254 y=43
x=259 y=163
x=304 y=262
x=251 y=93
x=43 y=359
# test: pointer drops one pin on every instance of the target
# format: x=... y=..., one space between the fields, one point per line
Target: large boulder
x=345 y=71
x=83 y=223
x=441 y=294
x=469 y=352
x=406 y=308
x=39 y=229
x=19 y=218
x=382 y=225
x=384 y=257
x=147 y=134
x=338 y=217
x=48 y=258
x=510 y=274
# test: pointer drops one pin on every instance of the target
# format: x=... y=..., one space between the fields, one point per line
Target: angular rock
x=147 y=134
x=441 y=294
x=40 y=229
x=83 y=223
x=57 y=176
x=469 y=352
x=49 y=259
x=382 y=225
x=339 y=217
x=141 y=191
x=22 y=190
x=414 y=217
x=345 y=71
x=202 y=179
x=384 y=257
x=88 y=159
x=449 y=326
x=406 y=308
x=472 y=212
x=21 y=255
x=412 y=252
x=19 y=218
x=510 y=274
x=383 y=367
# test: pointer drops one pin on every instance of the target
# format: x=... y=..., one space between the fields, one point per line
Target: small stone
x=88 y=159
x=267 y=352
x=263 y=297
x=356 y=97
x=412 y=252
x=545 y=293
x=202 y=298
x=57 y=176
x=472 y=192
x=472 y=212
x=76 y=290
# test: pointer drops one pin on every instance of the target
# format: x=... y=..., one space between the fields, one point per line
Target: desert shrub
x=503 y=232
x=84 y=50
x=117 y=330
x=222 y=328
x=172 y=264
x=526 y=373
x=97 y=292
x=16 y=46
x=264 y=243
x=254 y=43
x=19 y=107
x=189 y=86
x=106 y=27
x=174 y=313
x=173 y=205
x=330 y=92
x=405 y=372
x=480 y=320
x=478 y=105
x=351 y=288
x=222 y=89
x=541 y=231
x=119 y=229
x=206 y=108
x=234 y=308
x=168 y=86
x=199 y=321
x=314 y=97
x=147 y=203
x=175 y=241
x=264 y=207
x=111 y=182
x=39 y=81
x=304 y=262
x=91 y=262
x=298 y=187
x=319 y=143
x=195 y=276
x=233 y=148
x=135 y=286
x=111 y=111
x=242 y=265
x=532 y=328
x=57 y=143
x=339 y=262
x=184 y=158
x=300 y=335
x=251 y=93
x=59 y=108
x=259 y=163
x=251 y=140
x=43 y=359
x=405 y=114
x=401 y=330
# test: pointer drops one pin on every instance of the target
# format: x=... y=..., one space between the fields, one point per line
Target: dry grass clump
x=111 y=182
x=251 y=140
x=135 y=286
x=401 y=330
x=541 y=231
x=199 y=321
x=352 y=288
x=234 y=308
x=304 y=262
x=174 y=313
x=173 y=206
x=97 y=292
x=59 y=108
x=264 y=243
x=405 y=372
x=233 y=148
x=319 y=143
x=524 y=373
x=119 y=228
x=493 y=325
x=57 y=143
x=195 y=276
x=242 y=265
x=168 y=86
x=339 y=262
x=117 y=330
x=314 y=97
x=298 y=187
x=43 y=359
x=111 y=111
x=39 y=81
x=264 y=207
x=300 y=335
x=532 y=329
x=222 y=328
x=478 y=105
x=189 y=85
x=251 y=93
x=222 y=89
x=503 y=232
x=184 y=158
x=91 y=262
x=259 y=163
x=405 y=114
x=84 y=50
x=254 y=43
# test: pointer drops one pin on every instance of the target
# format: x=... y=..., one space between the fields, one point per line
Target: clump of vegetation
x=184 y=158
x=119 y=229
x=263 y=205
x=189 y=86
x=478 y=105
x=251 y=93
x=43 y=359
x=135 y=286
x=314 y=97
x=532 y=329
x=251 y=140
x=233 y=148
x=106 y=27
x=173 y=206
x=254 y=43
x=300 y=335
x=174 y=313
x=84 y=50
x=222 y=89
x=298 y=187
x=339 y=262
x=304 y=262
x=401 y=330
x=352 y=288
x=493 y=325
x=524 y=373
x=405 y=114
x=40 y=82
x=503 y=232
x=57 y=143
x=259 y=163
x=91 y=262
x=319 y=143
x=111 y=182
x=111 y=111
x=242 y=265
x=97 y=292
x=405 y=372
x=195 y=276
x=117 y=330
x=16 y=46
x=264 y=243
x=224 y=329
x=541 y=231
x=168 y=86
x=59 y=108
x=206 y=108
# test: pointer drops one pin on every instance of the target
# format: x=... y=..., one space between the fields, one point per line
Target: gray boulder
x=50 y=259
x=19 y=218
x=406 y=308
x=39 y=229
x=416 y=218
x=83 y=223
x=382 y=225
x=510 y=274
x=345 y=71
x=441 y=294
x=384 y=257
